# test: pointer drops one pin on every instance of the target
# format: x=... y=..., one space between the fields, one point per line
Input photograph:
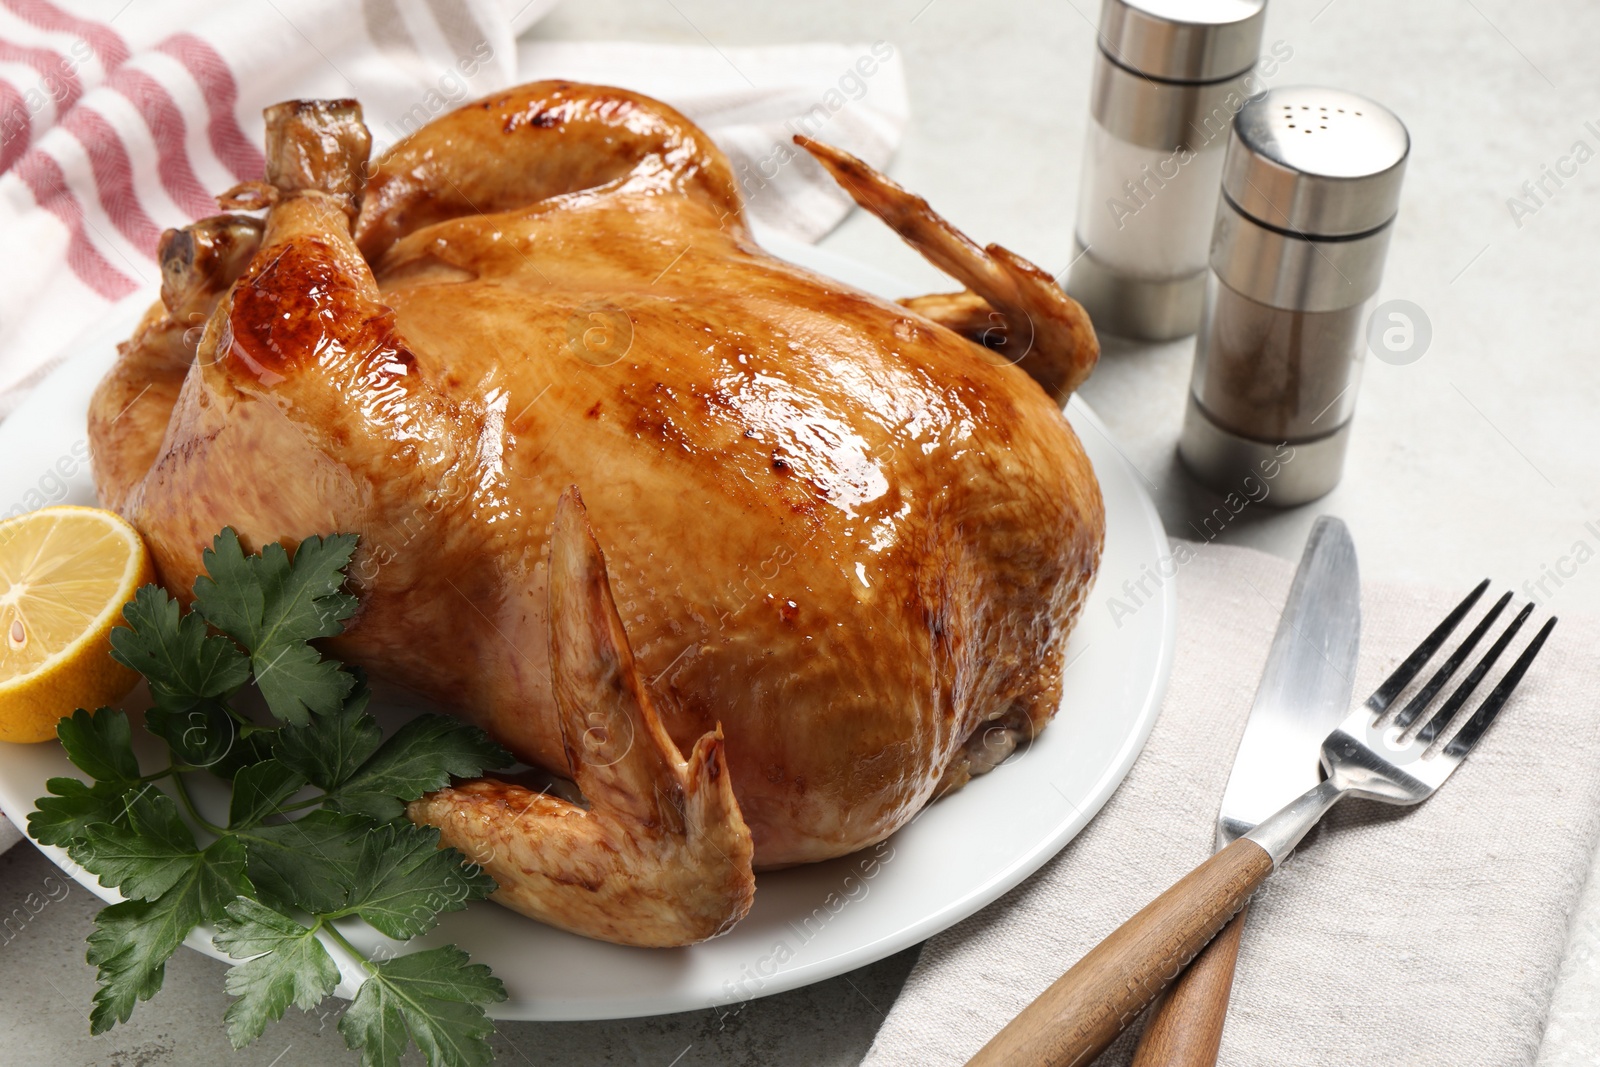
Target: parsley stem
x=344 y=942
x=194 y=813
x=297 y=805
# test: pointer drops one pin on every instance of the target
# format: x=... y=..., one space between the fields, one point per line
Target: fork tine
x=1469 y=734
x=1425 y=696
x=1384 y=695
x=1437 y=724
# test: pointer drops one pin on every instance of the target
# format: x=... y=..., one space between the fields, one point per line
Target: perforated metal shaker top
x=1316 y=162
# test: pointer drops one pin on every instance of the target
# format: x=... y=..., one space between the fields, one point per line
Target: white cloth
x=117 y=121
x=1425 y=936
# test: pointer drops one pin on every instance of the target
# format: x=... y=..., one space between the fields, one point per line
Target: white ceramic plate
x=808 y=923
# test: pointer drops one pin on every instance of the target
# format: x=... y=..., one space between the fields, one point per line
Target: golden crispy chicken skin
x=844 y=540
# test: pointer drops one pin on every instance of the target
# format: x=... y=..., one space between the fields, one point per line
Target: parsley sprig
x=315 y=831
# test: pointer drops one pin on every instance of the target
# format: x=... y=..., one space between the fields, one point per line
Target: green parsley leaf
x=309 y=863
x=100 y=744
x=421 y=756
x=333 y=862
x=204 y=735
x=290 y=967
x=220 y=876
x=436 y=996
x=132 y=941
x=259 y=791
x=403 y=880
x=296 y=681
x=66 y=816
x=130 y=946
x=182 y=662
x=146 y=857
x=273 y=607
x=329 y=748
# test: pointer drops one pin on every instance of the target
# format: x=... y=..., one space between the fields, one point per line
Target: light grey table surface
x=1478 y=459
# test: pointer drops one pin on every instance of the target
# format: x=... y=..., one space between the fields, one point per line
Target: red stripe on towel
x=16 y=125
x=106 y=42
x=49 y=64
x=222 y=93
x=167 y=129
x=113 y=178
x=43 y=177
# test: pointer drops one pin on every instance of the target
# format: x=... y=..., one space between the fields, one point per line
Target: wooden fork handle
x=1185 y=1026
x=1076 y=1018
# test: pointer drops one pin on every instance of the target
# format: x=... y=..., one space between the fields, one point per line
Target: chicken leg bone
x=132 y=404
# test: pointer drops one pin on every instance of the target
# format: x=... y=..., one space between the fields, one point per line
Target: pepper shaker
x=1310 y=188
x=1168 y=77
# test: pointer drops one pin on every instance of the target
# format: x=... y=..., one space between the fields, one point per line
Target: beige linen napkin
x=1430 y=935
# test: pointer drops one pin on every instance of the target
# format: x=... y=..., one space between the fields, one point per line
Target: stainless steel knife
x=1304 y=693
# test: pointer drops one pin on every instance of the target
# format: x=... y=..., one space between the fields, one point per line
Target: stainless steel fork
x=1398 y=760
x=1395 y=761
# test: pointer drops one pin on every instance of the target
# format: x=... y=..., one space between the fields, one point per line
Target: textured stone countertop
x=1478 y=459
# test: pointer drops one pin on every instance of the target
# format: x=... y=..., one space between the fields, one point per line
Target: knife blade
x=1303 y=694
x=1305 y=687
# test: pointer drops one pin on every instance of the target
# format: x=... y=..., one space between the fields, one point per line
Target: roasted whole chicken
x=828 y=548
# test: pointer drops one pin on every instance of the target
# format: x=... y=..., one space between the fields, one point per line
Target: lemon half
x=65 y=573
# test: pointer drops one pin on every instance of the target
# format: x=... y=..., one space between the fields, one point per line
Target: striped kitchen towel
x=120 y=119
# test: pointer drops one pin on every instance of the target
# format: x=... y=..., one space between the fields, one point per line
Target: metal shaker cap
x=1183 y=40
x=1316 y=162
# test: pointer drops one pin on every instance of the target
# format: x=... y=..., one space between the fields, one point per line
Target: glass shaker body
x=1146 y=212
x=1281 y=376
x=1161 y=106
x=1310 y=187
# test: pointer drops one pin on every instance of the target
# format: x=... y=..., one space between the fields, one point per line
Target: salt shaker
x=1168 y=77
x=1310 y=188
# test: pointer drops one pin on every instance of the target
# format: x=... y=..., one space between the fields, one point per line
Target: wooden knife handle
x=1185 y=1026
x=1076 y=1018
